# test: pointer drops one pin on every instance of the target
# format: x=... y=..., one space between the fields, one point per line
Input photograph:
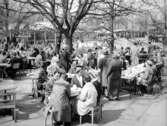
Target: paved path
x=139 y=111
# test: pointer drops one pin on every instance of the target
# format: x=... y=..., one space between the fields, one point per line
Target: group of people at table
x=83 y=77
x=27 y=58
x=88 y=77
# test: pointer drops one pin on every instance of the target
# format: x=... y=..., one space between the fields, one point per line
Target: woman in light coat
x=87 y=98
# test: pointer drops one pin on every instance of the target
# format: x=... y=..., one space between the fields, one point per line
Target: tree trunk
x=112 y=27
x=112 y=35
x=58 y=41
x=68 y=42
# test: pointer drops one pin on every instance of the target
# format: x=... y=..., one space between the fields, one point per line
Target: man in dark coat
x=103 y=65
x=114 y=76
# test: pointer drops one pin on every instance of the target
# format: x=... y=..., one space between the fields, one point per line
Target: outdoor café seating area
x=44 y=68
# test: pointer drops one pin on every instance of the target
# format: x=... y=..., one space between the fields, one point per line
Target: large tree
x=110 y=10
x=65 y=15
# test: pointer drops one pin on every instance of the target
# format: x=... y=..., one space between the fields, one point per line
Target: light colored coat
x=87 y=99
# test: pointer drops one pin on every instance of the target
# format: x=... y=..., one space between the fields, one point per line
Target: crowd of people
x=93 y=72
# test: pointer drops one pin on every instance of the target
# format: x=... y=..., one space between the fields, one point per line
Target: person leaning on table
x=59 y=101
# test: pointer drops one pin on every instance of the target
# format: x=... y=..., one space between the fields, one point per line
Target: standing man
x=114 y=76
x=103 y=65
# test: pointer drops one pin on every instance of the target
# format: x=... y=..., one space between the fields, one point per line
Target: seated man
x=87 y=98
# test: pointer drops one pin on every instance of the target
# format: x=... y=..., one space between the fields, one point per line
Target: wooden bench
x=8 y=101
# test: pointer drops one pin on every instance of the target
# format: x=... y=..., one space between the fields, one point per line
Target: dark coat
x=103 y=65
x=114 y=76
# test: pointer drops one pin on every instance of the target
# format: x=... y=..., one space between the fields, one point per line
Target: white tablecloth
x=132 y=72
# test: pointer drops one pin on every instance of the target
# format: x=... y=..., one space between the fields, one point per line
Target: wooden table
x=3 y=67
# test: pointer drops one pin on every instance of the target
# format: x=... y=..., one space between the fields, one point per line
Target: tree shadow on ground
x=111 y=115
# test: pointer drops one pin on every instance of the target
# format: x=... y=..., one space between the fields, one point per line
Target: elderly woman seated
x=87 y=98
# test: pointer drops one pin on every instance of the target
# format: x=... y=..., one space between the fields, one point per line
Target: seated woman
x=87 y=98
x=59 y=101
